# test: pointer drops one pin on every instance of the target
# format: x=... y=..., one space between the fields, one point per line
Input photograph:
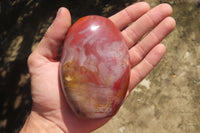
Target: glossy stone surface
x=95 y=68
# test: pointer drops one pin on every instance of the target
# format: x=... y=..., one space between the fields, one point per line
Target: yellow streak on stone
x=100 y=105
x=68 y=78
x=127 y=62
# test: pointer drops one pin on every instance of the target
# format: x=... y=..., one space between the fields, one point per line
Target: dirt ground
x=168 y=100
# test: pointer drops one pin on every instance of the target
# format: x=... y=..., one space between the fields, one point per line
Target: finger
x=54 y=37
x=129 y=14
x=144 y=24
x=139 y=72
x=140 y=50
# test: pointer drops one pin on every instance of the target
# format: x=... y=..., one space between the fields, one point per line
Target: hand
x=50 y=110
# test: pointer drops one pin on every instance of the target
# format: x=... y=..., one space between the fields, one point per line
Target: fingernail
x=59 y=11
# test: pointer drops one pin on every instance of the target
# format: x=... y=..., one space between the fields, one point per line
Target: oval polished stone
x=95 y=68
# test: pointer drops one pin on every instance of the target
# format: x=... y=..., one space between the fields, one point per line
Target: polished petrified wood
x=95 y=68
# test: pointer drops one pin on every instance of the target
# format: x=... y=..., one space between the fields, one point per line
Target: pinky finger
x=140 y=71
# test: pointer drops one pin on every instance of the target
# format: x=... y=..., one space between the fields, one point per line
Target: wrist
x=37 y=123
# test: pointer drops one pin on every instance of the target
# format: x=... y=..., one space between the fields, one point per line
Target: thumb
x=55 y=35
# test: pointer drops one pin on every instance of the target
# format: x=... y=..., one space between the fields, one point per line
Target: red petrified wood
x=95 y=68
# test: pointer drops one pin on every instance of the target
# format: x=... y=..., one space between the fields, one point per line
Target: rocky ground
x=168 y=100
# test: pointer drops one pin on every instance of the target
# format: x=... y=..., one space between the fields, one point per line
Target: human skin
x=50 y=111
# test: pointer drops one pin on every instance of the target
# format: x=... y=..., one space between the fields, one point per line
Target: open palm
x=134 y=22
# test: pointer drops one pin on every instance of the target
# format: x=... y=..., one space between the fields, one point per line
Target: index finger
x=128 y=15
